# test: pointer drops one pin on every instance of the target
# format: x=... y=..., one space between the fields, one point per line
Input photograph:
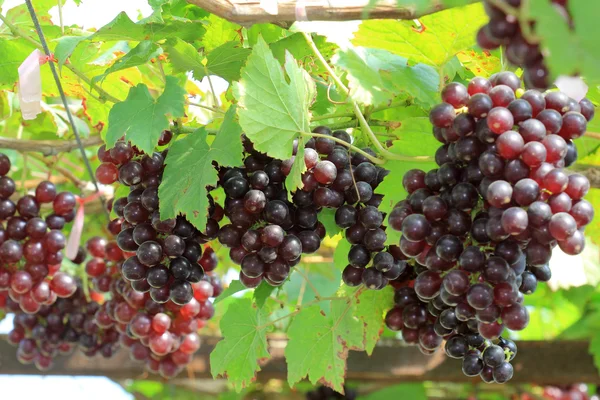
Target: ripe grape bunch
x=268 y=233
x=521 y=49
x=325 y=393
x=31 y=246
x=168 y=254
x=59 y=329
x=163 y=336
x=480 y=229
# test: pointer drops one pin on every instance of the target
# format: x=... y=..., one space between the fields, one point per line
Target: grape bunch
x=504 y=30
x=168 y=254
x=31 y=246
x=162 y=335
x=479 y=230
x=268 y=233
x=59 y=329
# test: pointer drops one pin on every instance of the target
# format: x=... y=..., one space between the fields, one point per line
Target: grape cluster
x=164 y=336
x=168 y=254
x=31 y=246
x=480 y=229
x=325 y=393
x=504 y=30
x=58 y=329
x=268 y=233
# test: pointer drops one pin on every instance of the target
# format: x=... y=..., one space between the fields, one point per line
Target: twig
x=313 y=288
x=47 y=147
x=594 y=135
x=357 y=111
x=212 y=89
x=60 y=17
x=215 y=110
x=374 y=160
x=63 y=171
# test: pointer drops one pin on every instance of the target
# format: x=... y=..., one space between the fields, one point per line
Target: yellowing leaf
x=440 y=36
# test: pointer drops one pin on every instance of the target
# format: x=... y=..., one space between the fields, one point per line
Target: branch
x=63 y=171
x=314 y=10
x=47 y=147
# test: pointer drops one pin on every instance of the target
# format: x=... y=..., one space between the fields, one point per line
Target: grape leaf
x=140 y=54
x=272 y=111
x=123 y=28
x=244 y=343
x=318 y=344
x=370 y=308
x=234 y=287
x=142 y=118
x=480 y=64
x=190 y=170
x=14 y=52
x=340 y=256
x=375 y=76
x=440 y=37
x=262 y=293
x=324 y=279
x=65 y=47
x=327 y=218
x=225 y=61
x=219 y=32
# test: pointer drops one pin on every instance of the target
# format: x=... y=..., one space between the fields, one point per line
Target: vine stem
x=357 y=111
x=18 y=32
x=60 y=17
x=215 y=110
x=374 y=160
x=63 y=171
x=309 y=283
x=47 y=147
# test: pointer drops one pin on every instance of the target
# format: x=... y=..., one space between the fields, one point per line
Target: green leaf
x=412 y=391
x=262 y=293
x=370 y=309
x=233 y=288
x=219 y=32
x=340 y=256
x=244 y=343
x=225 y=61
x=65 y=47
x=272 y=111
x=123 y=28
x=14 y=52
x=324 y=279
x=441 y=36
x=327 y=218
x=140 y=54
x=142 y=118
x=318 y=344
x=190 y=170
x=375 y=76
